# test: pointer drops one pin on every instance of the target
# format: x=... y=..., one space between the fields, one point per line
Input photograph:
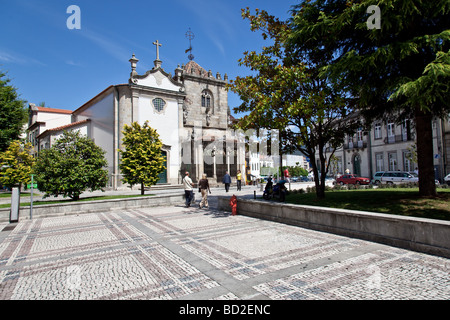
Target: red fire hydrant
x=233 y=204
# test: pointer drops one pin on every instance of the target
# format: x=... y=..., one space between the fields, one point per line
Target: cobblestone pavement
x=190 y=253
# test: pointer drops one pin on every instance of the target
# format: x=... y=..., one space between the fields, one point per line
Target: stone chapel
x=189 y=110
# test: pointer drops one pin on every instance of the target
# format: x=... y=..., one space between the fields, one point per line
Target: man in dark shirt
x=227 y=181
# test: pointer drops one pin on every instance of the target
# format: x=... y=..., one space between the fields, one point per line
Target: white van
x=392 y=177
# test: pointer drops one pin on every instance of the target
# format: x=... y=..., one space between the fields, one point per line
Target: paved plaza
x=201 y=254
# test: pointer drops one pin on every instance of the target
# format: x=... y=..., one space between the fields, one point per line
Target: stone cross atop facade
x=157 y=44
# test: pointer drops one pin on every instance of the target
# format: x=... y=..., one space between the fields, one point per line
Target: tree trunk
x=424 y=136
x=319 y=178
x=142 y=189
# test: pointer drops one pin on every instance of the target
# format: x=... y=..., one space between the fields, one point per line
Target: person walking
x=188 y=191
x=227 y=181
x=203 y=186
x=287 y=177
x=238 y=180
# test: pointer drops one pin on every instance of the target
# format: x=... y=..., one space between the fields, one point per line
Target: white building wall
x=166 y=124
x=53 y=120
x=101 y=129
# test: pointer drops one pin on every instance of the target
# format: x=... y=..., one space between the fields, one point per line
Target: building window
x=392 y=156
x=206 y=99
x=379 y=162
x=407 y=165
x=360 y=138
x=391 y=132
x=350 y=141
x=378 y=134
x=159 y=104
x=360 y=134
x=391 y=129
x=406 y=130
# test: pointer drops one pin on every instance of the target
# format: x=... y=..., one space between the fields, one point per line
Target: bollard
x=15 y=205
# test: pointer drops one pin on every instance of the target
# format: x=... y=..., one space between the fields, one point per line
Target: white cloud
x=73 y=63
x=109 y=46
x=15 y=58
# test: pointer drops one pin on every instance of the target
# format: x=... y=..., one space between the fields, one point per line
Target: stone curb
x=419 y=234
x=61 y=209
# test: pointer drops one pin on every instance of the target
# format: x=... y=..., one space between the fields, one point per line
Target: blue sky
x=65 y=68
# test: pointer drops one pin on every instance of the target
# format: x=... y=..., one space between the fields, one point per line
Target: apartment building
x=387 y=147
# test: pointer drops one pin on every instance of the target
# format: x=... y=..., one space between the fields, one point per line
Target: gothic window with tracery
x=206 y=99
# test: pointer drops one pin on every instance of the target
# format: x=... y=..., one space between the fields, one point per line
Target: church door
x=163 y=175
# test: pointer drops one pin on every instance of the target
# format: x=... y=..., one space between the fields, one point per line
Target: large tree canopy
x=16 y=164
x=71 y=166
x=13 y=115
x=400 y=70
x=286 y=95
x=142 y=160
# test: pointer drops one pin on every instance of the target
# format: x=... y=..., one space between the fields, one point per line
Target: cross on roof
x=157 y=44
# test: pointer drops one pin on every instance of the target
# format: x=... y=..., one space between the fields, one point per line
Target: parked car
x=397 y=177
x=303 y=179
x=352 y=179
x=377 y=177
x=447 y=179
x=436 y=181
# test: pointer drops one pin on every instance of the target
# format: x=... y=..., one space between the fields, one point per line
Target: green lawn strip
x=391 y=201
x=22 y=194
x=40 y=202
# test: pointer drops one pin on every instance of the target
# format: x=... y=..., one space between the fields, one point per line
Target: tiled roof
x=54 y=110
x=73 y=124
x=196 y=68
x=67 y=126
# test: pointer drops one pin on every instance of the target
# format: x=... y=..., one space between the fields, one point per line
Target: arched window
x=207 y=100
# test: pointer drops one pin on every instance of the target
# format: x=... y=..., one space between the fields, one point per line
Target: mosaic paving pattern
x=91 y=257
x=178 y=253
x=380 y=275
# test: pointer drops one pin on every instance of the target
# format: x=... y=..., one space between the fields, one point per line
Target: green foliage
x=71 y=166
x=142 y=159
x=402 y=65
x=296 y=171
x=399 y=71
x=286 y=94
x=16 y=164
x=13 y=115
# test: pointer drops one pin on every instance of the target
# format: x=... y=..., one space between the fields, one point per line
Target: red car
x=352 y=179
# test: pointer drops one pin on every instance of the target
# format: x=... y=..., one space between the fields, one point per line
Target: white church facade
x=189 y=110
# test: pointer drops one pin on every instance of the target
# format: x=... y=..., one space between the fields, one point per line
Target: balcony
x=397 y=138
x=355 y=145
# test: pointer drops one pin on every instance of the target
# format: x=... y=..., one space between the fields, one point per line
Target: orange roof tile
x=54 y=110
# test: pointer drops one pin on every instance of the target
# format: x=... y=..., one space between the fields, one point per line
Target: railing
x=397 y=138
x=356 y=145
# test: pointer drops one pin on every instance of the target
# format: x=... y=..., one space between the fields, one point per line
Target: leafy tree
x=71 y=166
x=401 y=70
x=16 y=164
x=285 y=94
x=13 y=115
x=142 y=160
x=296 y=171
